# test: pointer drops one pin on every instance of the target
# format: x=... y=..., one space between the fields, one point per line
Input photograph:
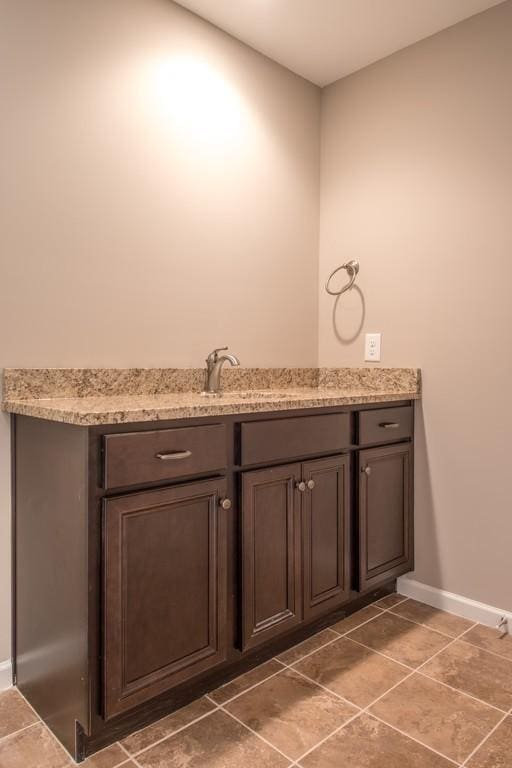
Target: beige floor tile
x=309 y=645
x=445 y=720
x=402 y=640
x=240 y=684
x=110 y=757
x=367 y=743
x=497 y=750
x=15 y=713
x=389 y=601
x=490 y=640
x=291 y=712
x=34 y=747
x=167 y=725
x=354 y=672
x=474 y=671
x=355 y=619
x=442 y=621
x=218 y=741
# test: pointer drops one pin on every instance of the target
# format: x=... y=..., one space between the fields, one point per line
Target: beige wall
x=417 y=184
x=160 y=197
x=136 y=233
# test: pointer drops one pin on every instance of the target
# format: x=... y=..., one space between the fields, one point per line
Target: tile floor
x=397 y=685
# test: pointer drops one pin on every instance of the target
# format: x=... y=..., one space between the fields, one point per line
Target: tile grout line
x=251 y=687
x=422 y=624
x=358 y=713
x=337 y=632
x=464 y=693
x=255 y=733
x=289 y=666
x=366 y=709
x=40 y=721
x=477 y=748
x=20 y=730
x=381 y=653
x=134 y=755
x=485 y=650
x=310 y=653
x=419 y=624
x=329 y=736
x=216 y=705
x=423 y=674
x=236 y=696
x=123 y=748
x=27 y=702
x=362 y=710
x=413 y=738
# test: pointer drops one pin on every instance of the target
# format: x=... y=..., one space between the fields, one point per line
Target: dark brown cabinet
x=326 y=534
x=386 y=547
x=170 y=589
x=295 y=540
x=164 y=590
x=271 y=557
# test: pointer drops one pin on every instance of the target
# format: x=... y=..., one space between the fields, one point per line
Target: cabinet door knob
x=367 y=470
x=301 y=486
x=311 y=484
x=226 y=503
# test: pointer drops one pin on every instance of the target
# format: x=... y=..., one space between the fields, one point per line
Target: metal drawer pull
x=366 y=470
x=174 y=455
x=389 y=424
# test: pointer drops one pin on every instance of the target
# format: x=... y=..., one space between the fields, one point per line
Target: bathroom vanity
x=157 y=559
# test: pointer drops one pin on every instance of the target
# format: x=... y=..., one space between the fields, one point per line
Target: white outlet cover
x=372 y=347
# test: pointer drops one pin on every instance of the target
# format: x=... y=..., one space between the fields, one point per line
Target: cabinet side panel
x=51 y=572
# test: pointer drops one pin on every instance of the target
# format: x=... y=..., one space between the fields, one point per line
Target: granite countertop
x=91 y=397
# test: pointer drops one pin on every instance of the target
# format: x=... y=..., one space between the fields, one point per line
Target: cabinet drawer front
x=277 y=439
x=164 y=599
x=146 y=457
x=385 y=425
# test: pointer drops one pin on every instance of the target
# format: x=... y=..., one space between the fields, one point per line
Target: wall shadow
x=348 y=315
x=427 y=561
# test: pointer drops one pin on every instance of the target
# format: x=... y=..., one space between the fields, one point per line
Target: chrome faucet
x=214 y=365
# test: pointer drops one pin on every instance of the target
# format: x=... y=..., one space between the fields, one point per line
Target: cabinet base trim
x=449 y=601
x=5 y=674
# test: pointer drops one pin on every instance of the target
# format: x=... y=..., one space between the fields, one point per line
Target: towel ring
x=352 y=268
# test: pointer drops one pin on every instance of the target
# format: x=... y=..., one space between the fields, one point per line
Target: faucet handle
x=212 y=357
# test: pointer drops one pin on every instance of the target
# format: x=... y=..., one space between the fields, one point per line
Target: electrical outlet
x=372 y=347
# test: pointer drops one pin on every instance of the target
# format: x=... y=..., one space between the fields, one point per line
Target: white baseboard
x=5 y=674
x=449 y=601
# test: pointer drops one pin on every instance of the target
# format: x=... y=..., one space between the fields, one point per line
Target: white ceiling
x=323 y=40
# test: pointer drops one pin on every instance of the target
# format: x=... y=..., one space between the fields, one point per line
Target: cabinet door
x=326 y=534
x=164 y=590
x=385 y=514
x=271 y=560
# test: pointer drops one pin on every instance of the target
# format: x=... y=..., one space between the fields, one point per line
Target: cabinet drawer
x=385 y=425
x=164 y=454
x=277 y=439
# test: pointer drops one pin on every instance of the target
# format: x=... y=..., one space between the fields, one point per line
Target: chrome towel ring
x=352 y=268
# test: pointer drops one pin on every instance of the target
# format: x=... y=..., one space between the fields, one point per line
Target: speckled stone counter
x=91 y=397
